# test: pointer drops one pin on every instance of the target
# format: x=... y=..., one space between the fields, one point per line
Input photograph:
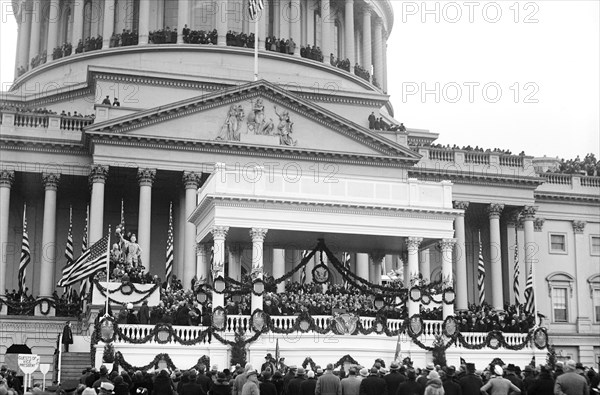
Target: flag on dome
x=169 y=261
x=529 y=296
x=254 y=6
x=481 y=273
x=25 y=254
x=88 y=264
x=516 y=272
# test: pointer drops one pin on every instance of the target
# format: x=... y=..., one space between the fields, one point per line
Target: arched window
x=560 y=290
x=87 y=19
x=66 y=25
x=594 y=283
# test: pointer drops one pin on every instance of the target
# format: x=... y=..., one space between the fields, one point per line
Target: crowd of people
x=281 y=45
x=89 y=44
x=163 y=36
x=64 y=50
x=379 y=124
x=124 y=39
x=311 y=52
x=274 y=378
x=470 y=148
x=200 y=36
x=343 y=64
x=242 y=40
x=483 y=318
x=69 y=304
x=589 y=166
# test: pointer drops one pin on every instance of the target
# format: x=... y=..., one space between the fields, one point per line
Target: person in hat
x=544 y=384
x=307 y=387
x=394 y=379
x=240 y=380
x=410 y=386
x=290 y=374
x=293 y=387
x=251 y=385
x=449 y=383
x=434 y=384
x=570 y=382
x=498 y=385
x=513 y=376
x=221 y=386
x=364 y=372
x=106 y=100
x=192 y=387
x=266 y=386
x=351 y=384
x=269 y=363
x=528 y=378
x=373 y=384
x=470 y=383
x=203 y=379
x=163 y=384
x=328 y=384
x=121 y=387
x=67 y=336
x=102 y=379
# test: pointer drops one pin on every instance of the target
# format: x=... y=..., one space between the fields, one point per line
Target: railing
x=558 y=179
x=137 y=332
x=74 y=123
x=441 y=154
x=432 y=328
x=511 y=161
x=478 y=158
x=512 y=339
x=31 y=120
x=588 y=181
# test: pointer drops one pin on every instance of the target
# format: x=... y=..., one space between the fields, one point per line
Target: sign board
x=44 y=368
x=28 y=362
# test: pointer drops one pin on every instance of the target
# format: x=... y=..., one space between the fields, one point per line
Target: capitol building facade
x=254 y=172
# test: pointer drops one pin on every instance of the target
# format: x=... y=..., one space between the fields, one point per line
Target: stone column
x=284 y=19
x=77 y=33
x=221 y=24
x=202 y=261
x=378 y=52
x=53 y=19
x=7 y=178
x=145 y=180
x=447 y=245
x=295 y=16
x=349 y=33
x=362 y=266
x=385 y=74
x=581 y=253
x=412 y=244
x=218 y=268
x=375 y=276
x=235 y=261
x=258 y=237
x=424 y=264
x=108 y=27
x=327 y=21
x=530 y=247
x=366 y=39
x=22 y=58
x=98 y=179
x=279 y=268
x=276 y=17
x=494 y=210
x=144 y=22
x=460 y=253
x=36 y=22
x=48 y=260
x=191 y=181
x=183 y=18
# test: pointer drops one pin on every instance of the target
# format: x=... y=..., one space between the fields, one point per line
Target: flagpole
x=107 y=272
x=256 y=46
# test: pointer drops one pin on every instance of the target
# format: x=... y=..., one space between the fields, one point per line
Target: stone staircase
x=72 y=365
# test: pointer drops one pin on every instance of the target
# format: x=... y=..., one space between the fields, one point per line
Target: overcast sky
x=515 y=75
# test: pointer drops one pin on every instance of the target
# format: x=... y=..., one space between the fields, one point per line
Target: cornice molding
x=46 y=146
x=566 y=197
x=469 y=177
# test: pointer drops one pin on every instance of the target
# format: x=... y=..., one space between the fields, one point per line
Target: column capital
x=413 y=243
x=538 y=224
x=460 y=205
x=514 y=217
x=578 y=226
x=7 y=178
x=377 y=256
x=494 y=210
x=191 y=180
x=447 y=244
x=98 y=173
x=366 y=10
x=258 y=234
x=528 y=213
x=219 y=232
x=146 y=177
x=50 y=181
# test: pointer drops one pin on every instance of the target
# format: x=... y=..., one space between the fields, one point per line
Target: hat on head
x=88 y=391
x=394 y=366
x=529 y=369
x=252 y=373
x=300 y=372
x=103 y=370
x=221 y=376
x=310 y=374
x=470 y=367
x=433 y=375
x=105 y=385
x=319 y=371
x=374 y=370
x=498 y=370
x=364 y=372
x=430 y=366
x=268 y=356
x=129 y=306
x=571 y=364
x=579 y=365
x=450 y=371
x=510 y=367
x=411 y=374
x=293 y=367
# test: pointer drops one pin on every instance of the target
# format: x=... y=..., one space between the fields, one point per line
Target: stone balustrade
x=561 y=182
x=13 y=122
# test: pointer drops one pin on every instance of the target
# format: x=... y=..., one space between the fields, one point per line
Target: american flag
x=529 y=296
x=69 y=247
x=346 y=263
x=25 y=254
x=516 y=271
x=90 y=262
x=305 y=254
x=83 y=287
x=169 y=261
x=122 y=213
x=254 y=6
x=481 y=273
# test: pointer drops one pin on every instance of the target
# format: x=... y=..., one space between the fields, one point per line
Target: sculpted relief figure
x=257 y=123
x=285 y=128
x=230 y=131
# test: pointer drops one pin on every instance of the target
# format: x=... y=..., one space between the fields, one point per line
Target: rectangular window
x=595 y=245
x=596 y=305
x=559 y=304
x=558 y=243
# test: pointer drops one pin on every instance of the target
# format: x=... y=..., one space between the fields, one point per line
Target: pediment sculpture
x=257 y=124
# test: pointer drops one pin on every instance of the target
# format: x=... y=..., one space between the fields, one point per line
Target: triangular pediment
x=258 y=114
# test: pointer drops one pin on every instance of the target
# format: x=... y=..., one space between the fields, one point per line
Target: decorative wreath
x=540 y=338
x=450 y=327
x=415 y=326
